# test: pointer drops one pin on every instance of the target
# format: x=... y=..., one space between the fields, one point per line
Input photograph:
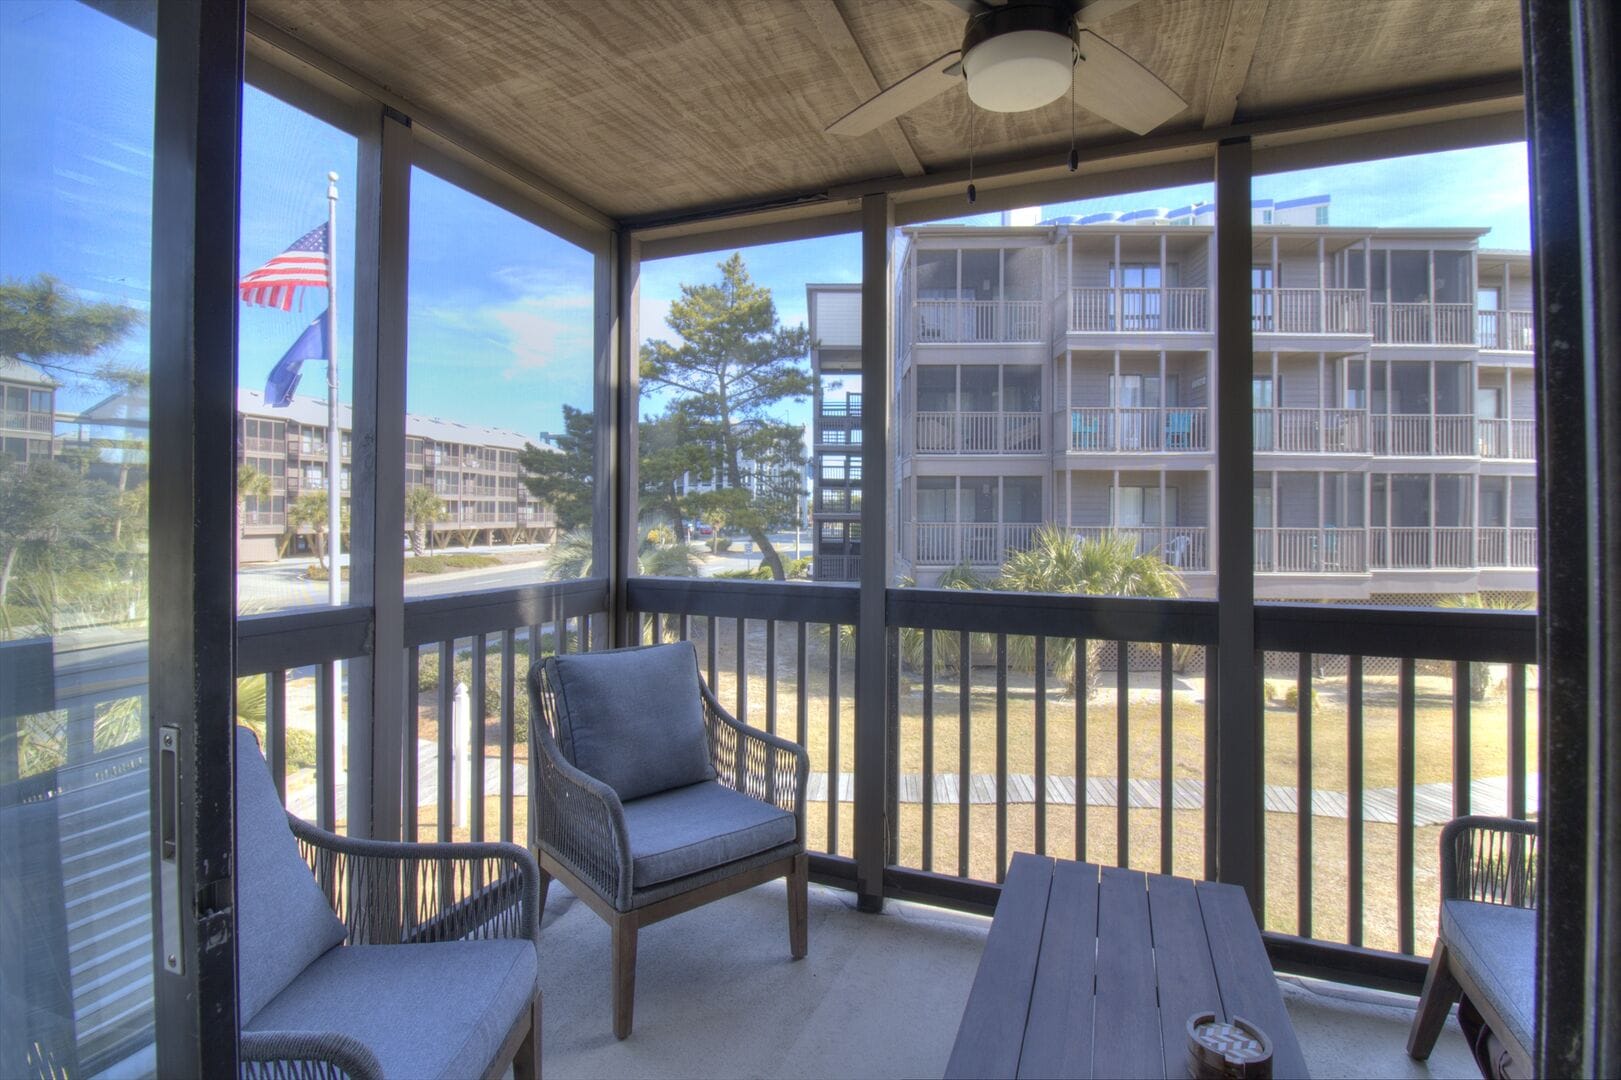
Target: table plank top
x=1094 y=971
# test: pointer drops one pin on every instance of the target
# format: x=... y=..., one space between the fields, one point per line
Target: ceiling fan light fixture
x=1019 y=71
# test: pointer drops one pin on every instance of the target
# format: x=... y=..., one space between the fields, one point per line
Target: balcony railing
x=1507 y=547
x=978 y=544
x=978 y=432
x=1422 y=548
x=1311 y=551
x=1309 y=311
x=1424 y=324
x=1506 y=331
x=23 y=420
x=1513 y=439
x=1176 y=427
x=1424 y=435
x=1139 y=310
x=849 y=405
x=989 y=321
x=1186 y=547
x=838 y=567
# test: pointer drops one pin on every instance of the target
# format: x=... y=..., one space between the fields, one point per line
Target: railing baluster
x=1516 y=741
x=684 y=626
x=771 y=676
x=802 y=712
x=413 y=694
x=711 y=626
x=326 y=805
x=1353 y=800
x=1081 y=677
x=1462 y=671
x=1122 y=753
x=559 y=631
x=447 y=682
x=276 y=729
x=928 y=750
x=740 y=667
x=1166 y=754
x=509 y=708
x=965 y=780
x=534 y=645
x=1406 y=769
x=475 y=770
x=1210 y=779
x=892 y=752
x=1303 y=796
x=833 y=739
x=1001 y=757
x=1039 y=666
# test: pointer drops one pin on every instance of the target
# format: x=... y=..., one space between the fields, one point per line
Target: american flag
x=303 y=265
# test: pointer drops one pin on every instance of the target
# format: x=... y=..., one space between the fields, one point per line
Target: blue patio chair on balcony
x=1485 y=953
x=1178 y=430
x=1086 y=433
x=370 y=959
x=650 y=799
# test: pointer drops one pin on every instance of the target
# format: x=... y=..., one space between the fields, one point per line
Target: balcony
x=1178 y=428
x=1506 y=331
x=1181 y=546
x=977 y=322
x=1311 y=551
x=1514 y=440
x=1424 y=435
x=1310 y=311
x=976 y=544
x=978 y=432
x=1139 y=310
x=1311 y=431
x=1423 y=324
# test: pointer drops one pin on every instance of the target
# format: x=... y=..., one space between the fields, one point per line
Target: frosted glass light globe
x=1018 y=71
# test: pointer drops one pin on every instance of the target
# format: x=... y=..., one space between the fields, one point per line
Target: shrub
x=1291 y=697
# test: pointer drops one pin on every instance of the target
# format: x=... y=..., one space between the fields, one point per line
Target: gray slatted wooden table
x=1094 y=971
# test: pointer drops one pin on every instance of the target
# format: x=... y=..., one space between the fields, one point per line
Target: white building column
x=1322 y=289
x=1118 y=275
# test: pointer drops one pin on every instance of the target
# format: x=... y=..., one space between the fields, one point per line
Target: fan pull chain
x=971 y=193
x=1074 y=154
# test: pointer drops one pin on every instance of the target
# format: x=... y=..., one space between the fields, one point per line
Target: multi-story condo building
x=1063 y=372
x=474 y=471
x=27 y=411
x=835 y=333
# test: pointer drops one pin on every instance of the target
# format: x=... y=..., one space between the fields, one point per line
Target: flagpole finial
x=332 y=185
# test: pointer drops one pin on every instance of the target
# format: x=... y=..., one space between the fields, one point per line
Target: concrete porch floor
x=718 y=996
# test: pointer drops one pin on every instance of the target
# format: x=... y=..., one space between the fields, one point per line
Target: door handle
x=169 y=851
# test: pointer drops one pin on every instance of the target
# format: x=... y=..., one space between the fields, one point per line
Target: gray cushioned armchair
x=370 y=959
x=649 y=799
x=1486 y=949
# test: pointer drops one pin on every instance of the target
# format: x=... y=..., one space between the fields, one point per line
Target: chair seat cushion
x=434 y=1010
x=283 y=919
x=1494 y=946
x=697 y=828
x=633 y=718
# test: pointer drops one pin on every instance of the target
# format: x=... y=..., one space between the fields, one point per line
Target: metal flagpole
x=334 y=443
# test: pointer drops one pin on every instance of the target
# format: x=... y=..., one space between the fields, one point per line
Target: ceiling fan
x=1019 y=55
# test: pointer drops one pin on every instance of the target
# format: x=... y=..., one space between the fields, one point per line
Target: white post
x=461 y=763
x=1119 y=278
x=1277 y=313
x=334 y=442
x=1164 y=294
x=1322 y=287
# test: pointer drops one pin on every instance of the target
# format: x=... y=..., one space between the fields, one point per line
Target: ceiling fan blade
x=1114 y=86
x=967 y=7
x=928 y=81
x=1095 y=11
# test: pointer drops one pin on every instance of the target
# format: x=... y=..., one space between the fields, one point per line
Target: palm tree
x=571 y=557
x=250 y=484
x=422 y=509
x=947 y=643
x=1057 y=562
x=1480 y=674
x=307 y=513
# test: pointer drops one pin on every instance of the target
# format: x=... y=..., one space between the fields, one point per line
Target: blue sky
x=500 y=311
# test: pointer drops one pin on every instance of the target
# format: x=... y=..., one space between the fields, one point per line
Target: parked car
x=699 y=528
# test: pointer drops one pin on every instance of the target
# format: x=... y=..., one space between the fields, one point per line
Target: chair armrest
x=309 y=1055
x=390 y=893
x=757 y=763
x=579 y=820
x=1492 y=860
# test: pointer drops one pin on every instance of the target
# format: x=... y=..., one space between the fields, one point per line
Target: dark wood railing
x=1078 y=726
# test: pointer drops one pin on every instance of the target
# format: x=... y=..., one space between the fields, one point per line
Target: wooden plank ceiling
x=649 y=107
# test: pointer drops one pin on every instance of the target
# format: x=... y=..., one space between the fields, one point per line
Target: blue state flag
x=283 y=378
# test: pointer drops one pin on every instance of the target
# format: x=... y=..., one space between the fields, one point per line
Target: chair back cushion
x=633 y=718
x=283 y=920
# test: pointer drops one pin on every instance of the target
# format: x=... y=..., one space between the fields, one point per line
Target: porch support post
x=618 y=283
x=1574 y=120
x=1239 y=839
x=196 y=171
x=377 y=575
x=872 y=677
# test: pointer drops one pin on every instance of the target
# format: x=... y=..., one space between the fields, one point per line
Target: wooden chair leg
x=798 y=906
x=624 y=972
x=1441 y=992
x=526 y=1065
